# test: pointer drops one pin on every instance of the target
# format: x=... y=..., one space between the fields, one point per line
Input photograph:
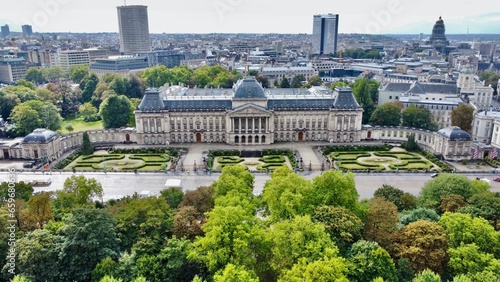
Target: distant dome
x=467 y=70
x=249 y=88
x=40 y=135
x=454 y=133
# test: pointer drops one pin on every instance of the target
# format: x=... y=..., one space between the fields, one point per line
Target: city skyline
x=258 y=16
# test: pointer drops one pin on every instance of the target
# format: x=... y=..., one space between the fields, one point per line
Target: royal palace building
x=247 y=114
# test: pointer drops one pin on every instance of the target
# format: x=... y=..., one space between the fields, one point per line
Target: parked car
x=496 y=179
x=434 y=175
x=29 y=164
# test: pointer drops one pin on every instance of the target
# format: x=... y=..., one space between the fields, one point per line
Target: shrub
x=230 y=160
x=272 y=159
x=64 y=163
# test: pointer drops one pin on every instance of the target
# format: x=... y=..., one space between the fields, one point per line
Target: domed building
x=438 y=38
x=248 y=114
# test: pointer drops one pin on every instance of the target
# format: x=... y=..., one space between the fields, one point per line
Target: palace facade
x=248 y=115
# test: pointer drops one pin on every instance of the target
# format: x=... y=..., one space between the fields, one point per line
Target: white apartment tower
x=325 y=33
x=134 y=29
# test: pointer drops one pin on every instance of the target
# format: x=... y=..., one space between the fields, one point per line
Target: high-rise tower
x=134 y=29
x=325 y=32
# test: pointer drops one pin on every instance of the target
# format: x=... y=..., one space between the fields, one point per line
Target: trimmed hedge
x=443 y=166
x=150 y=157
x=336 y=155
x=230 y=160
x=270 y=166
x=170 y=151
x=328 y=150
x=71 y=157
x=400 y=155
x=273 y=159
x=100 y=158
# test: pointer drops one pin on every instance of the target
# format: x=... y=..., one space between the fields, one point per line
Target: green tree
x=69 y=127
x=388 y=114
x=173 y=196
x=150 y=219
x=234 y=178
x=188 y=222
x=381 y=222
x=328 y=268
x=18 y=278
x=334 y=188
x=136 y=87
x=462 y=117
x=115 y=111
x=38 y=257
x=27 y=84
x=427 y=276
x=490 y=78
x=314 y=81
x=463 y=229
x=170 y=265
x=287 y=195
x=39 y=209
x=22 y=92
x=297 y=81
x=234 y=273
x=391 y=194
x=35 y=75
x=451 y=203
x=23 y=191
x=468 y=259
x=411 y=145
x=404 y=270
x=424 y=243
x=78 y=73
x=231 y=234
x=119 y=85
x=7 y=102
x=88 y=85
x=418 y=117
x=362 y=92
x=87 y=148
x=343 y=226
x=202 y=199
x=368 y=261
x=89 y=237
x=77 y=191
x=35 y=114
x=285 y=83
x=106 y=267
x=110 y=279
x=409 y=216
x=87 y=111
x=54 y=73
x=292 y=240
x=487 y=206
x=45 y=95
x=445 y=184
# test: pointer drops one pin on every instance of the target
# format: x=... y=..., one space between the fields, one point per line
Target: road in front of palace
x=117 y=185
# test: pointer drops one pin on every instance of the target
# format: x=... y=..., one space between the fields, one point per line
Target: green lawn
x=79 y=125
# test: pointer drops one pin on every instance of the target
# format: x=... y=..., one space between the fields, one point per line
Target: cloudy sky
x=256 y=16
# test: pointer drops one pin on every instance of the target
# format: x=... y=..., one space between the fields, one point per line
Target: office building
x=27 y=30
x=5 y=30
x=12 y=69
x=325 y=33
x=68 y=58
x=134 y=29
x=119 y=65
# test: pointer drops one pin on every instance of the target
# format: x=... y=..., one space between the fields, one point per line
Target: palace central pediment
x=249 y=110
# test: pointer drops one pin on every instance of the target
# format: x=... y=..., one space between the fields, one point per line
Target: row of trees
x=297 y=230
x=393 y=114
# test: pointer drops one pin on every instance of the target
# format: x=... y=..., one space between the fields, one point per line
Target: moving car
x=434 y=175
x=496 y=179
x=29 y=164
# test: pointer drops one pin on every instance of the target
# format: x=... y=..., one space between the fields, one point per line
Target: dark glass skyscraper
x=325 y=32
x=5 y=30
x=27 y=30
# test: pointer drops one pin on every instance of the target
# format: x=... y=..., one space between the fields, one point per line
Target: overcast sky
x=256 y=16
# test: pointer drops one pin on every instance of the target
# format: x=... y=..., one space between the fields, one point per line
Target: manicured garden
x=380 y=158
x=270 y=160
x=124 y=160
